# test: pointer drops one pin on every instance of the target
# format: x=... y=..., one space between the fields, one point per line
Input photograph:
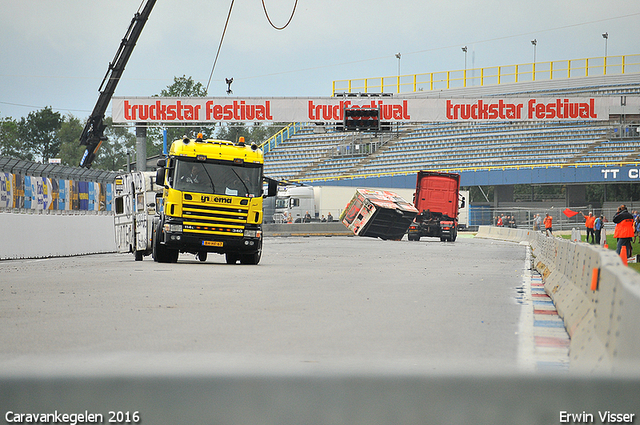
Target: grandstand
x=318 y=153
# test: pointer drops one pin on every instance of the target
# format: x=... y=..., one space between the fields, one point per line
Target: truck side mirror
x=272 y=187
x=160 y=172
x=462 y=202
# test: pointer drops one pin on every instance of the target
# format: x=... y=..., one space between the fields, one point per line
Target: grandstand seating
x=310 y=155
x=450 y=146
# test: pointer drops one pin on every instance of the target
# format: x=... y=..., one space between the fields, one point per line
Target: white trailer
x=135 y=207
x=463 y=212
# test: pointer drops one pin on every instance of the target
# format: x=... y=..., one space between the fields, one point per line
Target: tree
x=39 y=131
x=184 y=87
x=256 y=133
x=10 y=139
x=181 y=87
x=69 y=134
x=113 y=152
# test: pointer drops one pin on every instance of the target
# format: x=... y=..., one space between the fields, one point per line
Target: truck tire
x=139 y=255
x=232 y=257
x=162 y=254
x=202 y=256
x=252 y=258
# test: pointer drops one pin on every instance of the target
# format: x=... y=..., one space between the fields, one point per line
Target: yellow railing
x=272 y=142
x=463 y=169
x=537 y=71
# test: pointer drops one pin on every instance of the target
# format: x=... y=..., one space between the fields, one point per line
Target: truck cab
x=211 y=201
x=437 y=199
x=294 y=201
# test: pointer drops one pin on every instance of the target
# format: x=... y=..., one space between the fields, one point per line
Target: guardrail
x=287 y=132
x=595 y=294
x=495 y=75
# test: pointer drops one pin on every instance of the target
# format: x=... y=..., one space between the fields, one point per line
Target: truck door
x=123 y=217
x=140 y=212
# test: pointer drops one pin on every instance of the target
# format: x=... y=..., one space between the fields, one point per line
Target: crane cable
x=220 y=45
x=290 y=17
x=227 y=24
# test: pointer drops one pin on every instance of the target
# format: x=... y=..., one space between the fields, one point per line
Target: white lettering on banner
x=606 y=173
x=331 y=109
x=633 y=173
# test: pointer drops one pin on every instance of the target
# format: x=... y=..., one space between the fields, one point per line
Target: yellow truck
x=210 y=201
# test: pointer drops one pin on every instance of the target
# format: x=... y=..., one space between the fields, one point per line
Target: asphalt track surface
x=312 y=303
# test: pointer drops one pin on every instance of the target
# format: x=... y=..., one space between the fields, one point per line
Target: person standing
x=624 y=229
x=589 y=223
x=597 y=228
x=548 y=224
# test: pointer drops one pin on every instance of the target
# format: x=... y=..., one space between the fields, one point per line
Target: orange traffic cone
x=623 y=254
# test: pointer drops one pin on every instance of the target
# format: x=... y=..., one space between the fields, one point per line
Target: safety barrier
x=596 y=295
x=335 y=228
x=68 y=233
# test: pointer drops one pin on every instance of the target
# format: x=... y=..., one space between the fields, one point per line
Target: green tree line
x=46 y=134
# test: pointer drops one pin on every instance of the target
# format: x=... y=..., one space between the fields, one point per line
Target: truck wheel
x=454 y=234
x=162 y=254
x=202 y=256
x=251 y=258
x=172 y=255
x=139 y=255
x=231 y=258
x=413 y=238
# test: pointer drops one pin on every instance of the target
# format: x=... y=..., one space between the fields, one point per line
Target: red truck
x=438 y=201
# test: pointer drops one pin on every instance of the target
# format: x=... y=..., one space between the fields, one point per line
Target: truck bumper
x=185 y=242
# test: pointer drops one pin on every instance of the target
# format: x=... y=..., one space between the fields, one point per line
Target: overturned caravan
x=378 y=214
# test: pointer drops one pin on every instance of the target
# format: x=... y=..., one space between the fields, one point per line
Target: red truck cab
x=437 y=199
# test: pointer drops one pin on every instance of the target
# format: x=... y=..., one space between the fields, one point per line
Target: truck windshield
x=282 y=202
x=219 y=179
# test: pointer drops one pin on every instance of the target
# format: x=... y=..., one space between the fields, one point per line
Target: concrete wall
x=597 y=296
x=55 y=235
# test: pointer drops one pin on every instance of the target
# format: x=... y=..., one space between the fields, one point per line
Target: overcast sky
x=55 y=53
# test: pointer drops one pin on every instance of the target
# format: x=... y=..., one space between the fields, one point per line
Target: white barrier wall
x=604 y=322
x=54 y=235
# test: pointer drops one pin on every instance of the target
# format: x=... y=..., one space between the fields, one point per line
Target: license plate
x=211 y=243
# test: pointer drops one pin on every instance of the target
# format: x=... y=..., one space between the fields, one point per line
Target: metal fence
x=32 y=187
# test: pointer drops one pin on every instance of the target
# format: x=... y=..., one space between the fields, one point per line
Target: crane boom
x=93 y=134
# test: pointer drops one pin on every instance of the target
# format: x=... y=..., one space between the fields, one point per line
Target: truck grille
x=215 y=220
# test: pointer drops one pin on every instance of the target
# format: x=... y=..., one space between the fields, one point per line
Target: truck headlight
x=252 y=233
x=173 y=228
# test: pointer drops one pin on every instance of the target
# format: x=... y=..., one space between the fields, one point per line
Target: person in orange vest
x=589 y=223
x=624 y=229
x=548 y=224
